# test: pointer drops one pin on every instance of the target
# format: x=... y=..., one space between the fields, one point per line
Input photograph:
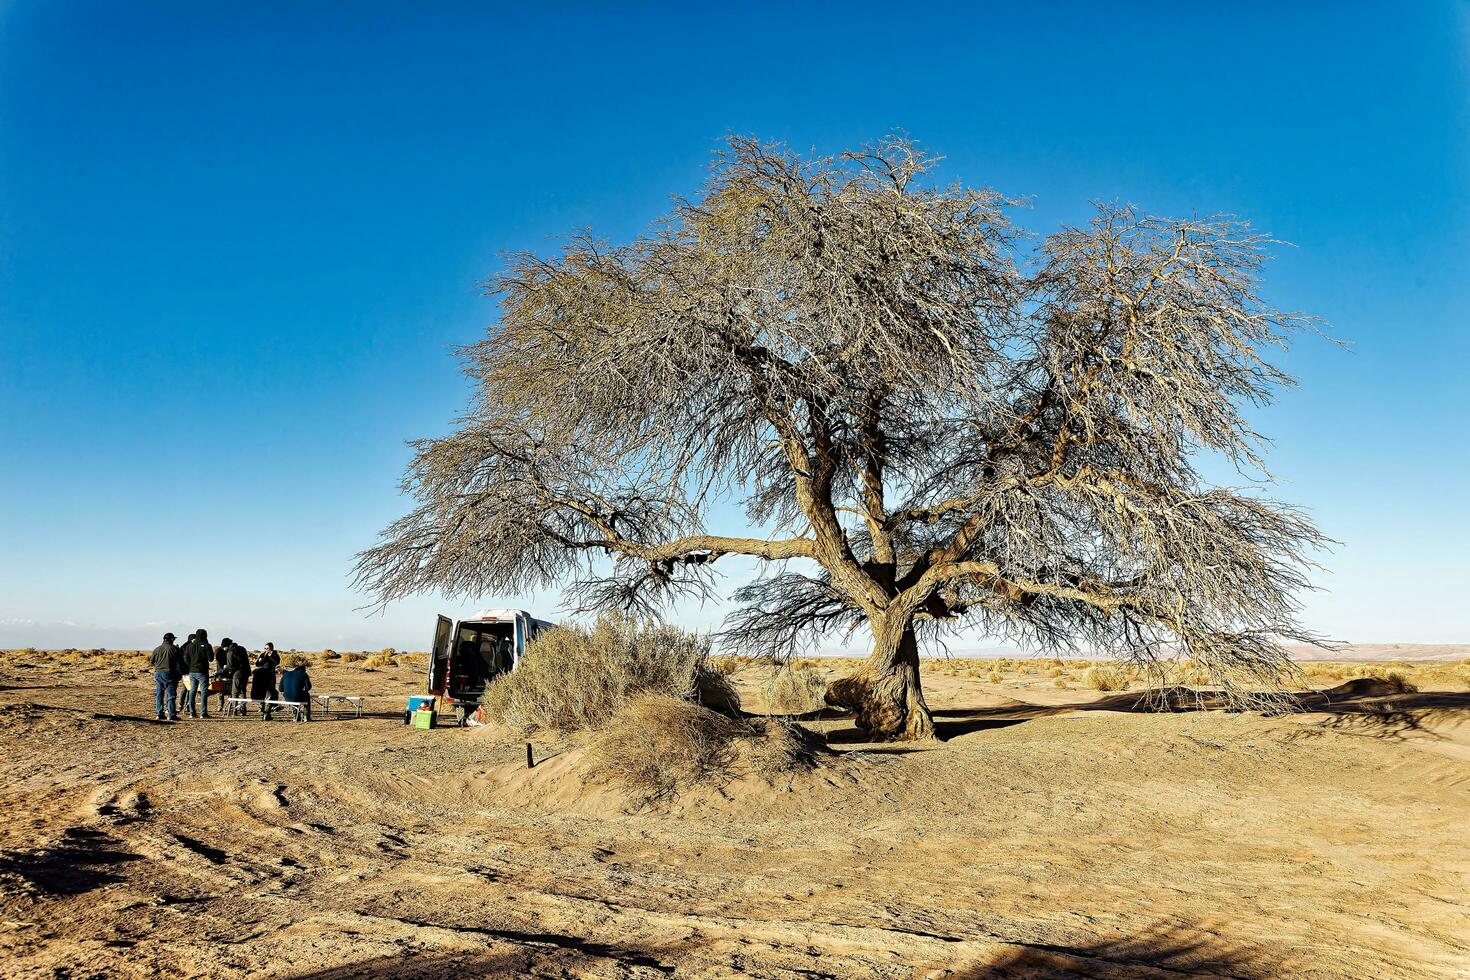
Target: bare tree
x=931 y=420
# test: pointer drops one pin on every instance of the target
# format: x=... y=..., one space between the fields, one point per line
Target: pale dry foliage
x=728 y=664
x=376 y=660
x=794 y=690
x=575 y=678
x=937 y=420
x=1105 y=677
x=657 y=745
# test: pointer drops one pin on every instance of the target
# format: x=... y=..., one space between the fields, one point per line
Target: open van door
x=439 y=655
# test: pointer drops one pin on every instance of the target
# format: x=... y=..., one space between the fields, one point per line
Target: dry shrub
x=412 y=659
x=331 y=655
x=384 y=659
x=726 y=665
x=352 y=658
x=995 y=677
x=657 y=744
x=1187 y=674
x=778 y=748
x=1060 y=682
x=575 y=678
x=1054 y=672
x=794 y=690
x=1103 y=677
x=1323 y=672
x=1396 y=679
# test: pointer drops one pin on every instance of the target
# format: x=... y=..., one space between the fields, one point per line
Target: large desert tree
x=933 y=422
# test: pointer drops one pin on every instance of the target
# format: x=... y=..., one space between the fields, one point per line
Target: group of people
x=182 y=676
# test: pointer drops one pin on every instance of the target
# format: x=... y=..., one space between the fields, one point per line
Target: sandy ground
x=1055 y=833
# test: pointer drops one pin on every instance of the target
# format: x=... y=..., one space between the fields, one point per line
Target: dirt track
x=1040 y=840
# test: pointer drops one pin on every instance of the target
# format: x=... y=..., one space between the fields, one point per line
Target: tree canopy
x=934 y=420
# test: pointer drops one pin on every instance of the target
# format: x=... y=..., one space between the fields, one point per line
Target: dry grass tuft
x=576 y=679
x=1105 y=677
x=1398 y=680
x=384 y=659
x=658 y=744
x=352 y=658
x=728 y=664
x=793 y=690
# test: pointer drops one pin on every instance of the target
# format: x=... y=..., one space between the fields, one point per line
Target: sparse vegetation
x=1105 y=677
x=1014 y=421
x=576 y=679
x=658 y=744
x=794 y=690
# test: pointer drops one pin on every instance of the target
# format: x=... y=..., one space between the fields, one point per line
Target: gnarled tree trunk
x=884 y=695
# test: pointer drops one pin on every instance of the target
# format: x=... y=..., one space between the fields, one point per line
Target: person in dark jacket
x=222 y=670
x=182 y=692
x=269 y=654
x=198 y=656
x=239 y=668
x=167 y=666
x=263 y=683
x=296 y=685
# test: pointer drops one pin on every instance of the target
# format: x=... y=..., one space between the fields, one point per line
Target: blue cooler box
x=416 y=702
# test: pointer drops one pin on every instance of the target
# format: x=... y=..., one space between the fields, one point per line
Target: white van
x=467 y=655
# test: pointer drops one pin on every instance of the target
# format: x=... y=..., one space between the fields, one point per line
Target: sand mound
x=1365 y=687
x=754 y=772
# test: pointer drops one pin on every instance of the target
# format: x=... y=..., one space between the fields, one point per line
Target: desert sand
x=1057 y=831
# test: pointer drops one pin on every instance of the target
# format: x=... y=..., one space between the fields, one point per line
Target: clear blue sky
x=238 y=241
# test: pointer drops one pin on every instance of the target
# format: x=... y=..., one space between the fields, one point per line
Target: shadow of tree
x=1163 y=951
x=518 y=954
x=82 y=861
x=1397 y=716
x=1362 y=706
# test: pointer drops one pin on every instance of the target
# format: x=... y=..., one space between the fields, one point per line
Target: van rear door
x=439 y=655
